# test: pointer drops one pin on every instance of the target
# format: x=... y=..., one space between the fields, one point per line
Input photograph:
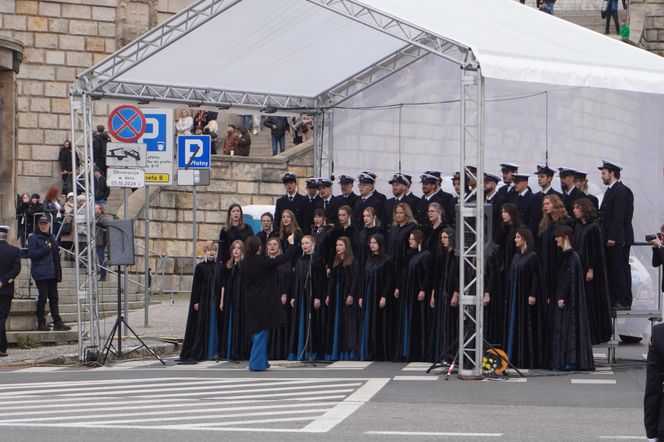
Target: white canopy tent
x=423 y=84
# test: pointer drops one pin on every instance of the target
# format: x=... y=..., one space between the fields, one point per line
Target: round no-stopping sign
x=126 y=123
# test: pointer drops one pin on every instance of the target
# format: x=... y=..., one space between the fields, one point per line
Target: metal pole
x=194 y=227
x=74 y=105
x=146 y=256
x=126 y=269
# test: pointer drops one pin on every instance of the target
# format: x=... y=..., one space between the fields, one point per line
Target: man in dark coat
x=432 y=193
x=581 y=183
x=570 y=192
x=292 y=201
x=347 y=197
x=544 y=179
x=658 y=250
x=66 y=167
x=401 y=190
x=525 y=201
x=279 y=127
x=263 y=309
x=312 y=202
x=368 y=198
x=496 y=199
x=99 y=142
x=328 y=202
x=507 y=192
x=616 y=214
x=102 y=191
x=47 y=272
x=10 y=267
x=653 y=416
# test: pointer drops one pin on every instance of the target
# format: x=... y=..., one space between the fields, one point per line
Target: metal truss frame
x=85 y=258
x=323 y=144
x=470 y=243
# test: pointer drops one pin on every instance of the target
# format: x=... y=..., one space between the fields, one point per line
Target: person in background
x=47 y=273
x=243 y=142
x=279 y=127
x=185 y=123
x=67 y=232
x=35 y=210
x=66 y=167
x=653 y=397
x=400 y=183
x=230 y=140
x=267 y=220
x=52 y=208
x=99 y=142
x=624 y=30
x=581 y=183
x=658 y=250
x=102 y=191
x=10 y=267
x=347 y=197
x=201 y=119
x=312 y=202
x=611 y=12
x=101 y=238
x=292 y=200
x=22 y=206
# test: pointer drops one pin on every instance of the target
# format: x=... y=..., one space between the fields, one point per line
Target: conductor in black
x=653 y=411
x=616 y=214
x=10 y=267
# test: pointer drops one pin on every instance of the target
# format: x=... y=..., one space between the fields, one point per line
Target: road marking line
x=622 y=437
x=290 y=387
x=182 y=411
x=599 y=355
x=37 y=369
x=304 y=393
x=356 y=365
x=602 y=373
x=522 y=370
x=417 y=366
x=644 y=355
x=90 y=382
x=593 y=381
x=347 y=407
x=603 y=368
x=415 y=378
x=517 y=380
x=424 y=433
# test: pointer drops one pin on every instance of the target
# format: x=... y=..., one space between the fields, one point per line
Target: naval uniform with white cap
x=544 y=179
x=400 y=183
x=368 y=198
x=616 y=214
x=507 y=192
x=347 y=197
x=10 y=267
x=312 y=201
x=496 y=199
x=328 y=202
x=434 y=195
x=526 y=202
x=581 y=183
x=570 y=192
x=292 y=201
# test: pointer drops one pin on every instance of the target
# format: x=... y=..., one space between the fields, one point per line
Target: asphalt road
x=142 y=400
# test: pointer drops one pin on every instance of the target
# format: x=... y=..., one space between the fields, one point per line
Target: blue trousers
x=278 y=144
x=258 y=357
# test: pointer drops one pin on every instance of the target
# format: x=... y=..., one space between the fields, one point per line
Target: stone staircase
x=584 y=13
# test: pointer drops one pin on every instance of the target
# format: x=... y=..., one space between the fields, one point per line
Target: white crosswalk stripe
x=185 y=403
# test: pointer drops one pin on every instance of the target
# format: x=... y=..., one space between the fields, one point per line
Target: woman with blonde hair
x=278 y=348
x=201 y=335
x=233 y=342
x=287 y=227
x=341 y=330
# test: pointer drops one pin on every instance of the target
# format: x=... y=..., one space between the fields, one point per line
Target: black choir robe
x=411 y=328
x=297 y=206
x=201 y=326
x=375 y=200
x=444 y=319
x=550 y=255
x=570 y=347
x=234 y=342
x=569 y=198
x=308 y=284
x=352 y=233
x=375 y=329
x=538 y=199
x=226 y=237
x=589 y=244
x=331 y=208
x=278 y=348
x=494 y=311
x=363 y=236
x=441 y=197
x=341 y=320
x=308 y=213
x=391 y=203
x=525 y=336
x=324 y=243
x=496 y=200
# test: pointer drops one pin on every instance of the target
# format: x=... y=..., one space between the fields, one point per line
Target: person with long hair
x=525 y=337
x=414 y=289
x=377 y=287
x=22 y=206
x=432 y=231
x=340 y=304
x=444 y=314
x=52 y=208
x=589 y=244
x=278 y=348
x=262 y=301
x=288 y=226
x=323 y=235
x=346 y=227
x=201 y=335
x=267 y=229
x=308 y=289
x=554 y=216
x=570 y=346
x=233 y=342
x=371 y=226
x=234 y=229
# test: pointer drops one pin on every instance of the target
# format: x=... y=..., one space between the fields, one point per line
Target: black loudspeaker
x=121 y=242
x=469 y=235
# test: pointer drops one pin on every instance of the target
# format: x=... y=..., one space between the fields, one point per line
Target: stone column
x=11 y=55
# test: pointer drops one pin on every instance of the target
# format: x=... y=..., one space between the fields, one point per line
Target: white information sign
x=130 y=178
x=159 y=141
x=126 y=155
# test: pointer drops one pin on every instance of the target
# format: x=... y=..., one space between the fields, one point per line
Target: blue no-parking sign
x=194 y=151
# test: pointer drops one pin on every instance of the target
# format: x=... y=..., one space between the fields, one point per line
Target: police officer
x=10 y=267
x=616 y=214
x=292 y=201
x=347 y=197
x=47 y=272
x=400 y=183
x=369 y=197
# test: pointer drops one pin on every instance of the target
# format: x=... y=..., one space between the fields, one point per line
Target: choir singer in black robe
x=234 y=229
x=590 y=246
x=262 y=298
x=201 y=335
x=570 y=348
x=653 y=410
x=279 y=334
x=233 y=341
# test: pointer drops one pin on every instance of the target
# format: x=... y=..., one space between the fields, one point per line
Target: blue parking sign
x=194 y=151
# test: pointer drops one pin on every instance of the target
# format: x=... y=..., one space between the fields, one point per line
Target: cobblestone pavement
x=167 y=319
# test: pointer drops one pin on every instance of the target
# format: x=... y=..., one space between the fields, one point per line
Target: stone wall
x=63 y=38
x=651 y=14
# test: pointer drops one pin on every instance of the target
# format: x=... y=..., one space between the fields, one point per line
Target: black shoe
x=3 y=354
x=43 y=327
x=61 y=327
